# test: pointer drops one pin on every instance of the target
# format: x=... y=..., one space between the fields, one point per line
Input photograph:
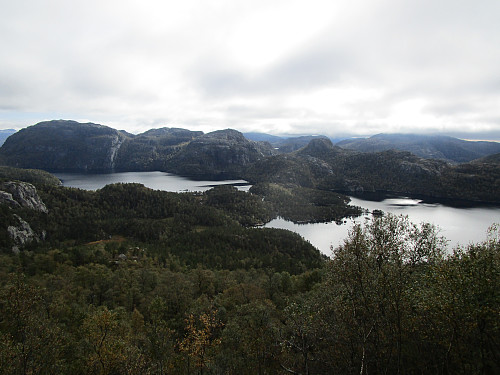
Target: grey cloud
x=321 y=63
x=271 y=111
x=90 y=60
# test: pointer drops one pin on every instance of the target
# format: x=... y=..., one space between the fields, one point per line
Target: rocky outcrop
x=116 y=143
x=22 y=234
x=21 y=194
x=17 y=195
x=8 y=199
x=69 y=146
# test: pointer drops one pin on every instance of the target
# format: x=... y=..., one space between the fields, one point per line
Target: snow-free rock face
x=8 y=199
x=21 y=194
x=21 y=233
x=63 y=146
x=17 y=195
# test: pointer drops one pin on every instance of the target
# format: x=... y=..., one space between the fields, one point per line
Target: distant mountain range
x=452 y=150
x=441 y=147
x=284 y=144
x=312 y=162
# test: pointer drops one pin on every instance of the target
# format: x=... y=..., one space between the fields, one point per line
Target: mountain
x=295 y=143
x=227 y=154
x=61 y=145
x=441 y=147
x=150 y=150
x=283 y=144
x=217 y=155
x=321 y=165
x=4 y=134
x=71 y=146
x=263 y=137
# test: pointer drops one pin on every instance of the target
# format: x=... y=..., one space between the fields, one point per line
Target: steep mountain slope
x=63 y=146
x=72 y=146
x=426 y=146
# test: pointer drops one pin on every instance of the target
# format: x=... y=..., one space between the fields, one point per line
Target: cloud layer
x=338 y=68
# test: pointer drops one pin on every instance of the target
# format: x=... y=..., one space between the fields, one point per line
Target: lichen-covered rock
x=7 y=199
x=22 y=234
x=21 y=193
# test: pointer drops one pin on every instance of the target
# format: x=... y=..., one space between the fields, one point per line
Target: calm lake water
x=460 y=226
x=152 y=180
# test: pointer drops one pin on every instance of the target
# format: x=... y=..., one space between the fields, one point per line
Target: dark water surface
x=460 y=226
x=153 y=180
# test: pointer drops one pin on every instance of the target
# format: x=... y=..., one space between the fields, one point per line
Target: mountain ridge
x=227 y=154
x=450 y=149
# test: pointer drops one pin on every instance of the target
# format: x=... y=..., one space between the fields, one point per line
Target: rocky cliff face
x=22 y=234
x=63 y=146
x=74 y=147
x=21 y=194
x=18 y=195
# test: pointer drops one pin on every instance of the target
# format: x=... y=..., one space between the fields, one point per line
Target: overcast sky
x=334 y=67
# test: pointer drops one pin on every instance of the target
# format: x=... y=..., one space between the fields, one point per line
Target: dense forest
x=128 y=280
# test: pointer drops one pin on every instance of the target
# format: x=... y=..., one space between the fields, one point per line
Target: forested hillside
x=323 y=166
x=129 y=280
x=133 y=281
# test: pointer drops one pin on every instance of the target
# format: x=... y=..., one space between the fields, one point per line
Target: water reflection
x=153 y=180
x=460 y=226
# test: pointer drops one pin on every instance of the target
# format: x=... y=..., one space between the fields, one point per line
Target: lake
x=458 y=225
x=152 y=180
